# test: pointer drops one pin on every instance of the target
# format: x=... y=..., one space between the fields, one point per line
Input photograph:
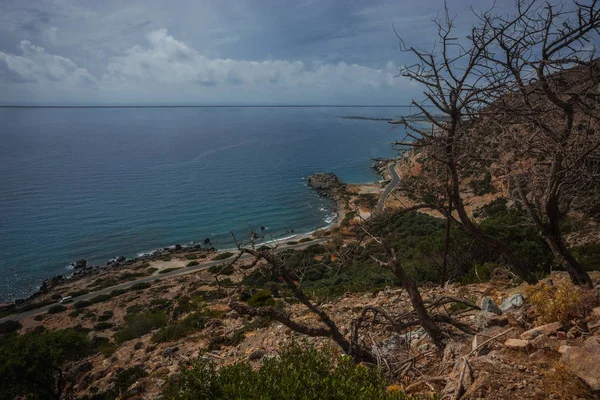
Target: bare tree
x=546 y=117
x=456 y=82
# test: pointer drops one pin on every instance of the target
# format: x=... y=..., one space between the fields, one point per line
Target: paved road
x=390 y=187
x=151 y=278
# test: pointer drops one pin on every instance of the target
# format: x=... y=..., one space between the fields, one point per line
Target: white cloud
x=169 y=62
x=166 y=69
x=36 y=65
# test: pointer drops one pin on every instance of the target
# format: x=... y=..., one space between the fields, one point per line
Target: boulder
x=487 y=304
x=543 y=330
x=517 y=344
x=168 y=352
x=584 y=363
x=484 y=319
x=121 y=259
x=80 y=264
x=514 y=301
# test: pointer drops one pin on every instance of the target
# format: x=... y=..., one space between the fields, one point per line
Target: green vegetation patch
x=55 y=309
x=164 y=271
x=222 y=256
x=140 y=324
x=9 y=326
x=29 y=363
x=299 y=373
x=192 y=264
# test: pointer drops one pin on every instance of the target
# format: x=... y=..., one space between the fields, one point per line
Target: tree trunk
x=446 y=243
x=417 y=301
x=578 y=274
x=520 y=266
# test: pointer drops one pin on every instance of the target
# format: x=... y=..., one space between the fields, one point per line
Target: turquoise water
x=96 y=183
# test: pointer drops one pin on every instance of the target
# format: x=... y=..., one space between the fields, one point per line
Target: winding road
x=389 y=188
x=151 y=278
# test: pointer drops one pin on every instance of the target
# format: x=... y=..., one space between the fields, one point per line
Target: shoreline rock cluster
x=82 y=268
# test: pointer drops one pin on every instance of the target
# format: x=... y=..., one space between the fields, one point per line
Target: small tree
x=546 y=118
x=457 y=84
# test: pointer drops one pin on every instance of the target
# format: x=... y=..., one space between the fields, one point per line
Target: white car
x=66 y=299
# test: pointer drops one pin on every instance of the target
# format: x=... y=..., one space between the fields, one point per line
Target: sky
x=215 y=52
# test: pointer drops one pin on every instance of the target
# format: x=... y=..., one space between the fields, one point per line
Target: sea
x=96 y=183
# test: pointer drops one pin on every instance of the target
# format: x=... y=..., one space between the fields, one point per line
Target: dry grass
x=559 y=381
x=563 y=302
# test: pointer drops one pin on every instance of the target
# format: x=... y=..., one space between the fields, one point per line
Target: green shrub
x=170 y=333
x=588 y=255
x=191 y=256
x=38 y=317
x=305 y=240
x=82 y=304
x=117 y=292
x=101 y=326
x=152 y=270
x=29 y=363
x=299 y=373
x=56 y=309
x=9 y=326
x=75 y=313
x=192 y=264
x=105 y=316
x=222 y=256
x=291 y=242
x=261 y=298
x=139 y=286
x=164 y=271
x=221 y=269
x=141 y=324
x=100 y=298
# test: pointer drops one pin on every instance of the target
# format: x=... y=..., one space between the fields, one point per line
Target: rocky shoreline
x=325 y=184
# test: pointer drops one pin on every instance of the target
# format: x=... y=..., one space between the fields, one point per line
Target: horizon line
x=206 y=106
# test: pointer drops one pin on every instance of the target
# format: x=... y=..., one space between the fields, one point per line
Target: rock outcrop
x=324 y=182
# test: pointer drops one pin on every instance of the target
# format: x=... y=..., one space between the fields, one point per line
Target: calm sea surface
x=96 y=183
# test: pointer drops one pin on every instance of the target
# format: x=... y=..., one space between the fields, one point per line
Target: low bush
x=152 y=270
x=100 y=298
x=222 y=256
x=588 y=255
x=261 y=298
x=56 y=309
x=192 y=264
x=299 y=373
x=82 y=304
x=221 y=269
x=101 y=326
x=141 y=324
x=139 y=286
x=105 y=316
x=305 y=240
x=164 y=271
x=170 y=333
x=562 y=302
x=291 y=242
x=9 y=326
x=191 y=256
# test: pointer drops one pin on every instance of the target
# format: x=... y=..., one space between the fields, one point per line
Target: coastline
x=79 y=269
